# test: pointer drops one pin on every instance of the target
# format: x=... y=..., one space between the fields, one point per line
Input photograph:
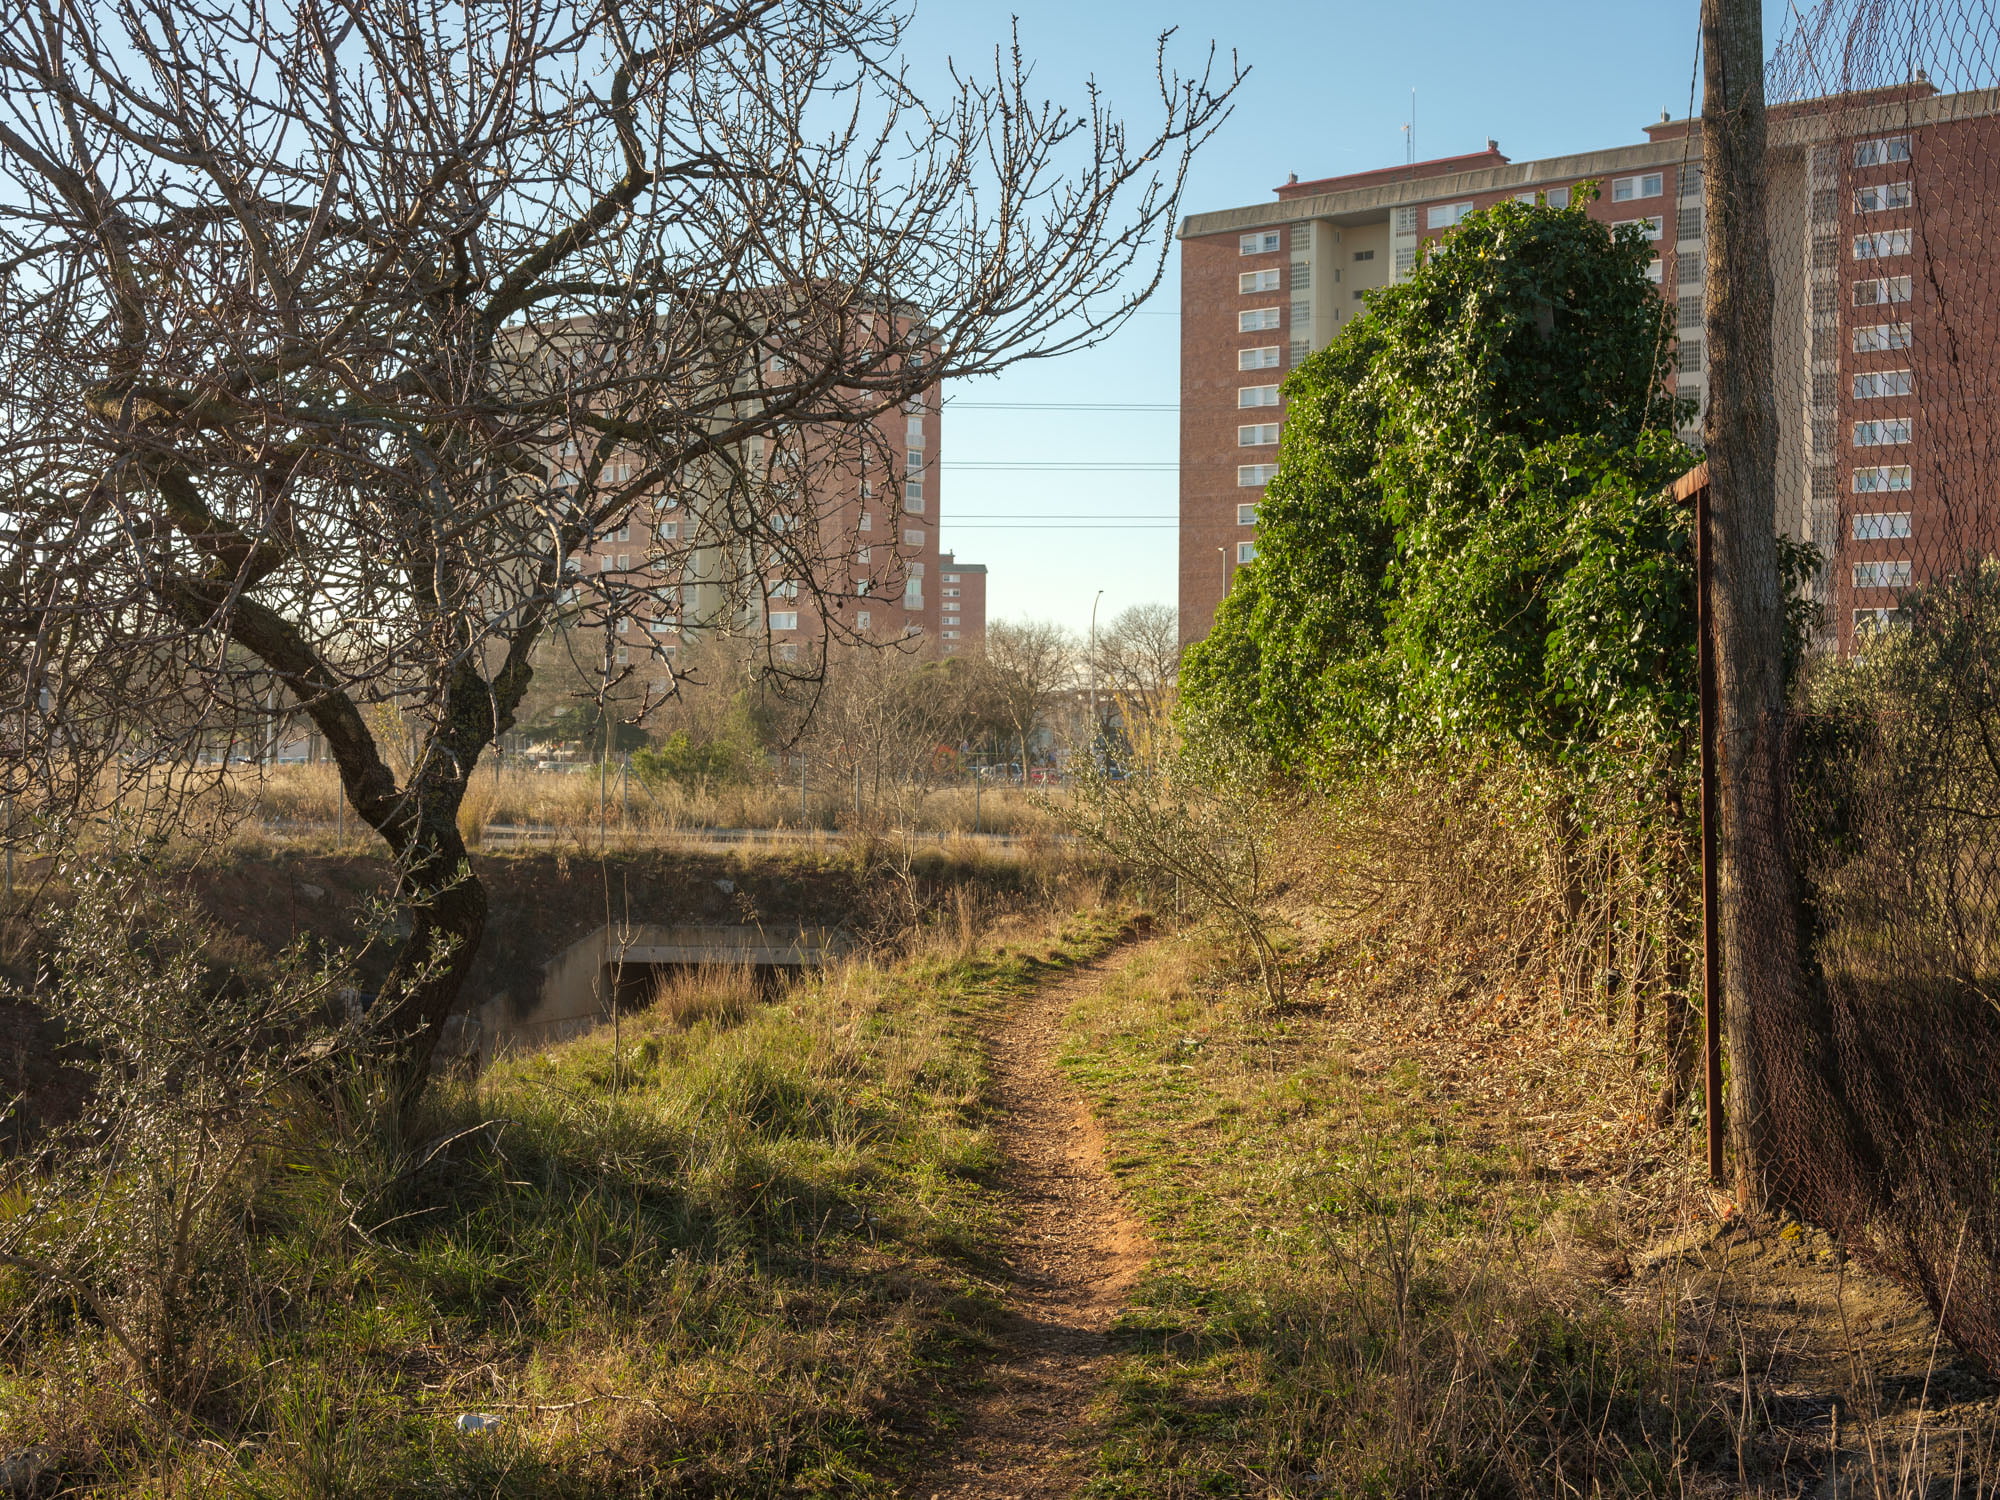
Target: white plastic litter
x=477 y=1421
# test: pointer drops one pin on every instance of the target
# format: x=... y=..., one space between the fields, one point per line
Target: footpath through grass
x=734 y=1254
x=1359 y=1289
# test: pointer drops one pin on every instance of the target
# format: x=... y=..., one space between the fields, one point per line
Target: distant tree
x=1033 y=662
x=1137 y=658
x=330 y=331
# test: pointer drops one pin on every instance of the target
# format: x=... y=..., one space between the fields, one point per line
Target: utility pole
x=1762 y=990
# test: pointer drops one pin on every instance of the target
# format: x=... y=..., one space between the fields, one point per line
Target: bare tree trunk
x=1758 y=885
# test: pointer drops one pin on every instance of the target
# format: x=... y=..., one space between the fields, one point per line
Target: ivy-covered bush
x=1467 y=546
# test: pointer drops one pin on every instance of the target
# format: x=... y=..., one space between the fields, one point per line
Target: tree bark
x=1758 y=885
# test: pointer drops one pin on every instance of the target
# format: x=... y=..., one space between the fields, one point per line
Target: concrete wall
x=573 y=996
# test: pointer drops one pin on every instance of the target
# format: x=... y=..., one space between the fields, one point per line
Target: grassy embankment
x=733 y=1253
x=1419 y=1235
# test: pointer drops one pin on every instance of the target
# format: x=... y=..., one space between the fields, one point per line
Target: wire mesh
x=1870 y=1055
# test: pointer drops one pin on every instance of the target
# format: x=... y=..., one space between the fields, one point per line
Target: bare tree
x=1137 y=659
x=333 y=330
x=1033 y=663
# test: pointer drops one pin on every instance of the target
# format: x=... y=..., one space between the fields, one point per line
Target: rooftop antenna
x=1410 y=132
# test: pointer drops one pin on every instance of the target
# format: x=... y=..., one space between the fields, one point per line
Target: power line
x=1063 y=526
x=1063 y=405
x=1052 y=468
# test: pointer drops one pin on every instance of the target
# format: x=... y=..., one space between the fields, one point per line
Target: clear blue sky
x=1328 y=92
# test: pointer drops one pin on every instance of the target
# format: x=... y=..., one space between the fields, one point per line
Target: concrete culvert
x=695 y=970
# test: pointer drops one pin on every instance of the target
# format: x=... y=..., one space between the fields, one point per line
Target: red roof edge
x=1442 y=166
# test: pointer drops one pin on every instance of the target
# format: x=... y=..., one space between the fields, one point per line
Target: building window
x=913 y=539
x=913 y=461
x=1625 y=189
x=1246 y=552
x=1882 y=526
x=1250 y=474
x=1257 y=435
x=863 y=619
x=913 y=496
x=1558 y=197
x=1263 y=243
x=950 y=635
x=1258 y=319
x=1687 y=359
x=625 y=627
x=1364 y=255
x=667 y=531
x=784 y=619
x=1881 y=291
x=951 y=593
x=661 y=627
x=1691 y=311
x=1655 y=272
x=1877 y=337
x=1687 y=268
x=1881 y=478
x=916 y=570
x=1257 y=395
x=1882 y=383
x=1884 y=195
x=1260 y=281
x=1406 y=221
x=1246 y=515
x=1882 y=575
x=1883 y=433
x=1887 y=149
x=867 y=522
x=913 y=431
x=913 y=593
x=1687 y=223
x=604 y=563
x=624 y=655
x=1650 y=228
x=1406 y=262
x=624 y=533
x=1886 y=242
x=1265 y=358
x=950 y=578
x=1445 y=215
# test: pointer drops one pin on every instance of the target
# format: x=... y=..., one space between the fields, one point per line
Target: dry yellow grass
x=578 y=808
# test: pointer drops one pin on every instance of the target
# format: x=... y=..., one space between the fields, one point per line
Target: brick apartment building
x=1877 y=209
x=961 y=605
x=871 y=549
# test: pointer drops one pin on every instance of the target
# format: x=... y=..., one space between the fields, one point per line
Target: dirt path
x=1074 y=1252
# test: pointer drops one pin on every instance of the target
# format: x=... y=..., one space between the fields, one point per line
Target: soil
x=1073 y=1252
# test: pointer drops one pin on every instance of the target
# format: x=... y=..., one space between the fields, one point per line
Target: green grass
x=737 y=1258
x=1351 y=1292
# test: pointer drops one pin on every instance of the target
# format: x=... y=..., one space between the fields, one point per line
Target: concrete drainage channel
x=619 y=966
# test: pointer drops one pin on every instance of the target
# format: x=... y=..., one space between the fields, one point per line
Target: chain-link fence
x=1866 y=1032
